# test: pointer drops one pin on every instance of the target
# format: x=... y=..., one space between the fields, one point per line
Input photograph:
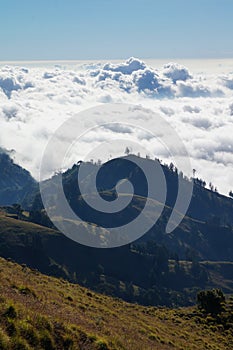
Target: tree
x=200 y=182
x=127 y=151
x=211 y=301
x=231 y=194
x=171 y=167
x=18 y=210
x=211 y=186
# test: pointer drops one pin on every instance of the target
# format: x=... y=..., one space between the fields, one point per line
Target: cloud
x=192 y=109
x=176 y=72
x=118 y=128
x=198 y=122
x=167 y=110
x=133 y=75
x=79 y=80
x=10 y=111
x=171 y=81
x=149 y=81
x=190 y=89
x=227 y=81
x=14 y=79
x=34 y=101
x=231 y=109
x=130 y=66
x=9 y=84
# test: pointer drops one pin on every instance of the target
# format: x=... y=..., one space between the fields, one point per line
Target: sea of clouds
x=36 y=100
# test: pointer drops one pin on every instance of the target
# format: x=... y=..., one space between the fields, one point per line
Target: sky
x=112 y=29
x=195 y=98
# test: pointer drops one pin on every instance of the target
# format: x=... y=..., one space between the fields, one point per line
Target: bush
x=68 y=343
x=101 y=345
x=10 y=312
x=10 y=328
x=211 y=301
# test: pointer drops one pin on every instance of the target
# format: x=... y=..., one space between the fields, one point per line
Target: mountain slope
x=206 y=205
x=158 y=269
x=204 y=234
x=40 y=312
x=16 y=183
x=147 y=274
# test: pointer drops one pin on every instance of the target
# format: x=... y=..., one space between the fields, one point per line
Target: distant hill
x=206 y=205
x=204 y=234
x=40 y=313
x=16 y=183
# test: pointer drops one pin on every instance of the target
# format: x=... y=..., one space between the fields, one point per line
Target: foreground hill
x=41 y=312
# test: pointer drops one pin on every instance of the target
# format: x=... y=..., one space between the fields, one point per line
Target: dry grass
x=41 y=312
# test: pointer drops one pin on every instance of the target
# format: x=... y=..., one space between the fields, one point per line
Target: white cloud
x=192 y=109
x=130 y=66
x=231 y=109
x=199 y=122
x=227 y=81
x=167 y=110
x=176 y=72
x=36 y=100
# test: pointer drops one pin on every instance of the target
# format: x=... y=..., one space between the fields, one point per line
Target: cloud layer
x=36 y=100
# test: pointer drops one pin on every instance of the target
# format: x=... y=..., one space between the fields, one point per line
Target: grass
x=41 y=312
x=9 y=225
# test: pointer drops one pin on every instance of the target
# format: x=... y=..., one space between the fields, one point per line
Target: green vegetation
x=42 y=312
x=211 y=301
x=54 y=314
x=146 y=273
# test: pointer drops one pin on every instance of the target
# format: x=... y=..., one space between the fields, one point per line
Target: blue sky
x=108 y=29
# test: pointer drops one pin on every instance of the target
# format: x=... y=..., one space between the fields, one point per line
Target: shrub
x=10 y=312
x=101 y=345
x=211 y=301
x=68 y=343
x=26 y=291
x=10 y=328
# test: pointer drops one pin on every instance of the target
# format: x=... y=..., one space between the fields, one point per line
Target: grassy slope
x=50 y=313
x=12 y=225
x=16 y=239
